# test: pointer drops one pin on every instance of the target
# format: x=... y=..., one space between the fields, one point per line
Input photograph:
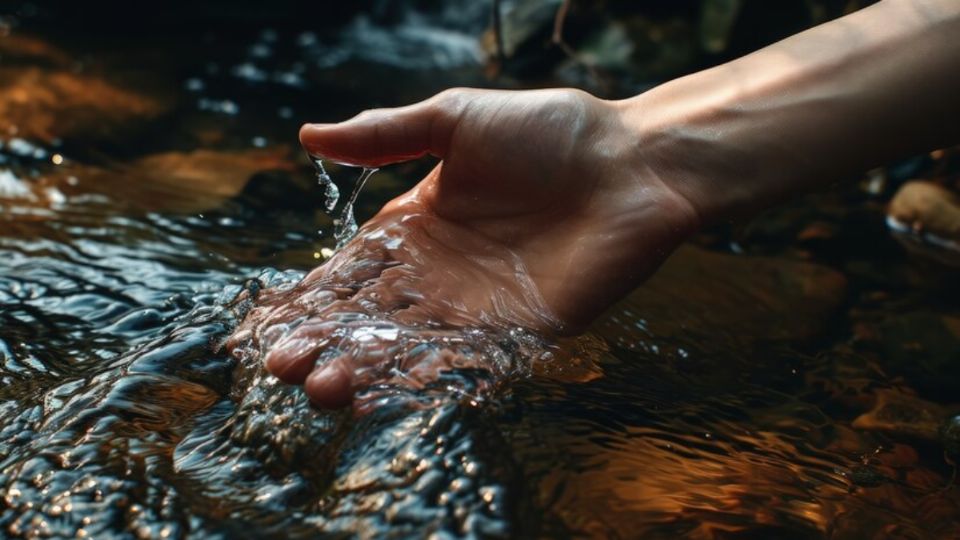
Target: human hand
x=549 y=205
x=544 y=210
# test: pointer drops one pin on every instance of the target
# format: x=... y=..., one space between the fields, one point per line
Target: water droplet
x=347 y=228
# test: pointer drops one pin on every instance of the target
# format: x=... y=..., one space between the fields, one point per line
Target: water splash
x=345 y=227
x=406 y=327
x=331 y=192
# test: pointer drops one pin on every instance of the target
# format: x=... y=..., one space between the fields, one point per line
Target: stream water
x=790 y=380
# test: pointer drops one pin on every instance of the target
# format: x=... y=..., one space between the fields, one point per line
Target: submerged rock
x=47 y=105
x=903 y=414
x=17 y=49
x=950 y=436
x=924 y=348
x=927 y=206
x=174 y=181
x=208 y=175
x=925 y=218
x=753 y=298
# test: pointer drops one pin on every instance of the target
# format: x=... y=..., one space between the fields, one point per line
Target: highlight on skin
x=380 y=312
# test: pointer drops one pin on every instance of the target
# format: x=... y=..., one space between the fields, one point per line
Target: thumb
x=381 y=136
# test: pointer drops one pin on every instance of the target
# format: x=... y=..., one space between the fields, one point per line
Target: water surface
x=794 y=391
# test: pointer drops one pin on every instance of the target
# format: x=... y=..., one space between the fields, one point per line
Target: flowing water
x=330 y=190
x=804 y=389
x=345 y=228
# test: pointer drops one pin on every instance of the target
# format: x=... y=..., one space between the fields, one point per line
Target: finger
x=331 y=386
x=426 y=367
x=381 y=136
x=293 y=358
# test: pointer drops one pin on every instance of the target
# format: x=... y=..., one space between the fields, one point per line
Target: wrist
x=802 y=113
x=684 y=133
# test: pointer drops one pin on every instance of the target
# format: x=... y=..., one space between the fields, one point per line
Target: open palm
x=541 y=213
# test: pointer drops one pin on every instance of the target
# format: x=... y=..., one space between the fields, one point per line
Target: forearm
x=820 y=106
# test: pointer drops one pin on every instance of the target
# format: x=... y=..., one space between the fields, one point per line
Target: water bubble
x=348 y=223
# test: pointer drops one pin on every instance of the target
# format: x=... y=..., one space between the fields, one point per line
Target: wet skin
x=531 y=220
x=550 y=205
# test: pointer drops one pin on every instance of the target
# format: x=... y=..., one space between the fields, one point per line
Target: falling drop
x=347 y=227
x=331 y=192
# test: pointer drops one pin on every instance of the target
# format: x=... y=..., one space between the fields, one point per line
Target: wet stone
x=925 y=217
x=923 y=347
x=188 y=181
x=950 y=436
x=698 y=292
x=47 y=105
x=866 y=477
x=183 y=182
x=20 y=49
x=928 y=207
x=903 y=414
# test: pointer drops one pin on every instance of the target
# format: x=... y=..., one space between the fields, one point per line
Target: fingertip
x=311 y=135
x=340 y=143
x=330 y=387
x=290 y=365
x=378 y=137
x=313 y=127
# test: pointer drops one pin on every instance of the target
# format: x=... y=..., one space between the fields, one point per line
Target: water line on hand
x=346 y=228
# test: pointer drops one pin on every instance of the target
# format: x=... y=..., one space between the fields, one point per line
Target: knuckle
x=572 y=97
x=451 y=99
x=367 y=114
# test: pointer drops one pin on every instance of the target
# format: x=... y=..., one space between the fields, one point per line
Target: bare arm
x=833 y=101
x=564 y=178
x=548 y=206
